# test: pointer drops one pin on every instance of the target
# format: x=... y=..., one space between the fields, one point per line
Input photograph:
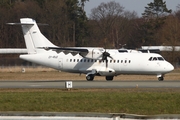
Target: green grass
x=132 y=101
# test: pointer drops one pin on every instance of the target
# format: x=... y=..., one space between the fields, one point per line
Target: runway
x=93 y=84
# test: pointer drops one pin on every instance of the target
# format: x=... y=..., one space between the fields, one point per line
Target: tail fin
x=34 y=39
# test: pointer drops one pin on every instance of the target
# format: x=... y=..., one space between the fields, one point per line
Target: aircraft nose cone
x=170 y=67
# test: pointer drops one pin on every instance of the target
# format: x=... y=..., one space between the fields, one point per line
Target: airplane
x=92 y=61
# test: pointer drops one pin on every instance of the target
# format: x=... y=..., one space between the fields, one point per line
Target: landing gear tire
x=90 y=77
x=109 y=78
x=160 y=78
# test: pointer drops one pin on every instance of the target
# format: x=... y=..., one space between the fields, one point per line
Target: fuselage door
x=60 y=63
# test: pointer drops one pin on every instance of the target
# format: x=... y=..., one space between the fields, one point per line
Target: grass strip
x=132 y=101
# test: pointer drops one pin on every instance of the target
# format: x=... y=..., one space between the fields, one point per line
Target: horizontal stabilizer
x=20 y=24
x=13 y=50
x=39 y=24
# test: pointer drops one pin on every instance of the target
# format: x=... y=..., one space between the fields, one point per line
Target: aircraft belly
x=100 y=68
x=142 y=68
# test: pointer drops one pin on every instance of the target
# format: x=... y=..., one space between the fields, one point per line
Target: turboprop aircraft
x=92 y=61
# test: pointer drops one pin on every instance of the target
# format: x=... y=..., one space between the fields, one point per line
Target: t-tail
x=34 y=39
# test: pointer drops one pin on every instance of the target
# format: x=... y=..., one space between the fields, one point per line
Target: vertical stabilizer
x=34 y=39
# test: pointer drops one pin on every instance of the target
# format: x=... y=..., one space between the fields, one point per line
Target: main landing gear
x=109 y=78
x=90 y=77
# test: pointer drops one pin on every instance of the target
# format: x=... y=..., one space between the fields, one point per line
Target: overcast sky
x=130 y=5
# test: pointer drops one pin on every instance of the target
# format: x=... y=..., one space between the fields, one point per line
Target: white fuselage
x=122 y=63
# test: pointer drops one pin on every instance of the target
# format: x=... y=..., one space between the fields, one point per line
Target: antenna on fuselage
x=122 y=46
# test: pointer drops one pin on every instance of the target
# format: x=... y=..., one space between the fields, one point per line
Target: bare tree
x=170 y=36
x=177 y=12
x=124 y=27
x=170 y=33
x=105 y=15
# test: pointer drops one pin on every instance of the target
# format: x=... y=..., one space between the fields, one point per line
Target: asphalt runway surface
x=90 y=84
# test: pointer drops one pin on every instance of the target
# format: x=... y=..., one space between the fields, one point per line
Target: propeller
x=105 y=55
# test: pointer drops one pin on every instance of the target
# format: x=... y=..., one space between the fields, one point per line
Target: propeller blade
x=105 y=56
x=110 y=57
x=106 y=63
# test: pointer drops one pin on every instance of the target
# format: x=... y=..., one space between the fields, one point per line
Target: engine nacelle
x=93 y=54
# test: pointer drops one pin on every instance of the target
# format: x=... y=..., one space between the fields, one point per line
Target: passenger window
x=125 y=61
x=92 y=60
x=84 y=60
x=118 y=61
x=121 y=61
x=81 y=60
x=77 y=60
x=114 y=61
x=74 y=60
x=129 y=61
x=70 y=60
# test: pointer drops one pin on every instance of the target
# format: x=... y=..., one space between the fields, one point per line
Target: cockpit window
x=156 y=58
x=150 y=58
x=161 y=58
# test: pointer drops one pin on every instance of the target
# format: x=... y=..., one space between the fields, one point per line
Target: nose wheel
x=160 y=78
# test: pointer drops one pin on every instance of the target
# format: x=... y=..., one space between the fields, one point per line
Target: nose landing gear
x=160 y=78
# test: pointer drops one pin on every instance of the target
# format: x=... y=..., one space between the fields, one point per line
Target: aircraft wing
x=86 y=52
x=149 y=50
x=72 y=50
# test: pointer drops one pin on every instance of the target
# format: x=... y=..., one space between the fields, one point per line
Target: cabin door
x=60 y=63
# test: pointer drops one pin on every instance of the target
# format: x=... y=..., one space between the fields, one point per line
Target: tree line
x=109 y=25
x=66 y=18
